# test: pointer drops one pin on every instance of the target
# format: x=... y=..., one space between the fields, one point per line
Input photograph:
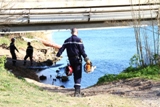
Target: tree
x=147 y=45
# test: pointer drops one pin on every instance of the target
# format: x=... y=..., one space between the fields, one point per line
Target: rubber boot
x=77 y=92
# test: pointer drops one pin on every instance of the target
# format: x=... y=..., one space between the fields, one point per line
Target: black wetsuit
x=12 y=51
x=29 y=53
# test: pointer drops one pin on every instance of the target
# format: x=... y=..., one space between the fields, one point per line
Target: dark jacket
x=73 y=46
x=12 y=47
x=29 y=50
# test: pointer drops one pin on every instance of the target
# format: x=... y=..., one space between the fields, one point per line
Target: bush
x=149 y=72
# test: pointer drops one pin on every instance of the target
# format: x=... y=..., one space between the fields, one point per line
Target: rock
x=42 y=77
x=64 y=78
x=4 y=46
x=62 y=86
x=44 y=51
x=158 y=94
x=48 y=62
x=57 y=71
x=118 y=92
x=58 y=77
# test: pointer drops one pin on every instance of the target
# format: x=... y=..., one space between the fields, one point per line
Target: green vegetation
x=5 y=40
x=18 y=93
x=134 y=70
x=19 y=43
x=2 y=61
x=149 y=72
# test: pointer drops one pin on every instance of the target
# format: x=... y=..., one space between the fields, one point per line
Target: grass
x=18 y=93
x=19 y=43
x=4 y=39
x=149 y=72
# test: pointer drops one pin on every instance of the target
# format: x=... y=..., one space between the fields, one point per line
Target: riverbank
x=39 y=54
x=147 y=92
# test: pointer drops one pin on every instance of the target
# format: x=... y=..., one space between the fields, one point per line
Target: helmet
x=68 y=70
x=89 y=68
x=12 y=39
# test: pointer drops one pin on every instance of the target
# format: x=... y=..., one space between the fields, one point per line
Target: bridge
x=33 y=15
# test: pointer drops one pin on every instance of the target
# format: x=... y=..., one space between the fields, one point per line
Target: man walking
x=12 y=51
x=75 y=49
x=29 y=53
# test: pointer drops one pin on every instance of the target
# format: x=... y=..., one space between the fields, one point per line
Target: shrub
x=148 y=72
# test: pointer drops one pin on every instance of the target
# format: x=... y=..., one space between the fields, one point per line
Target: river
x=109 y=49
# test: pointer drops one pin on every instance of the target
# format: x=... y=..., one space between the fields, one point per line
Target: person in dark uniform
x=12 y=51
x=75 y=52
x=29 y=53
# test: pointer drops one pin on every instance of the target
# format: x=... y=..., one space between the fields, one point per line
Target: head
x=74 y=31
x=28 y=43
x=12 y=39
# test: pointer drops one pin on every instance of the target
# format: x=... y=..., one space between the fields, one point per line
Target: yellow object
x=88 y=67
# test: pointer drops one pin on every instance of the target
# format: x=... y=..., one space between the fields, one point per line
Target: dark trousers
x=14 y=58
x=25 y=58
x=77 y=73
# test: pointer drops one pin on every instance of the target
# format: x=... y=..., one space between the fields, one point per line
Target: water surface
x=109 y=50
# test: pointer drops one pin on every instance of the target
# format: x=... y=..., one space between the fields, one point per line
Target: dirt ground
x=147 y=91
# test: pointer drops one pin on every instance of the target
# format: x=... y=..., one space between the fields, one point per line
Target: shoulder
x=30 y=47
x=11 y=44
x=68 y=39
x=76 y=38
x=79 y=39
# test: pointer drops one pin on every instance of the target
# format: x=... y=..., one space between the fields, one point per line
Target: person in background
x=75 y=49
x=29 y=53
x=12 y=51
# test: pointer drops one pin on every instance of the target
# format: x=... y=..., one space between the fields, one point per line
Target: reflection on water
x=109 y=50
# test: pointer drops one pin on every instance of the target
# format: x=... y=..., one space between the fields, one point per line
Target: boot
x=77 y=92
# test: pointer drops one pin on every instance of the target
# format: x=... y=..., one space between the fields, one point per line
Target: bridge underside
x=80 y=25
x=94 y=14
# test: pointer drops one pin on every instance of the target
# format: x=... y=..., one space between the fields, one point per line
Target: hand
x=88 y=61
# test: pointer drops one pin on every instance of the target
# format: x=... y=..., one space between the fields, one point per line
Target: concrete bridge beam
x=81 y=13
x=69 y=3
